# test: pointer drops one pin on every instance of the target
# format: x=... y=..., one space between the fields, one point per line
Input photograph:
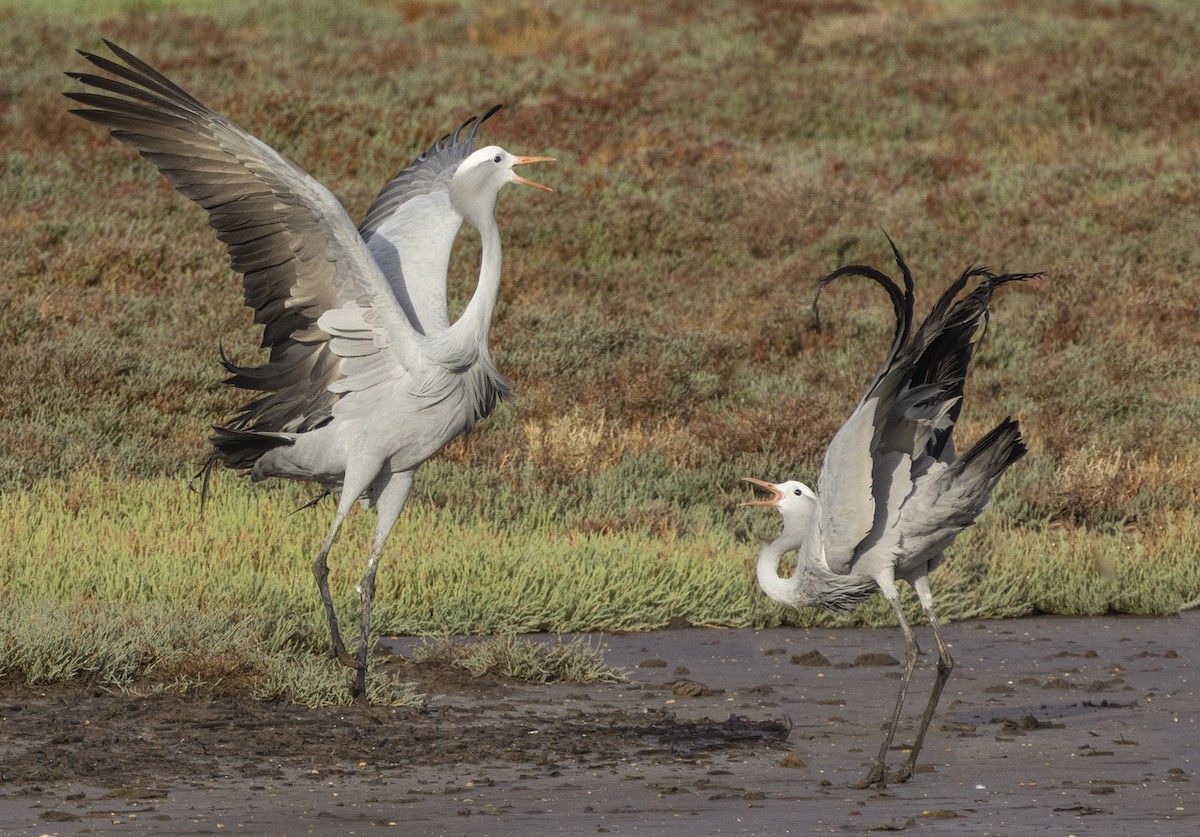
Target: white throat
x=796 y=521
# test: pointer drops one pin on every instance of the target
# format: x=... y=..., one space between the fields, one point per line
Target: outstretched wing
x=300 y=256
x=860 y=486
x=901 y=431
x=846 y=489
x=410 y=228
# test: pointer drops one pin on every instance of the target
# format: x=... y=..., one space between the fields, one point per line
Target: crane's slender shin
x=945 y=665
x=320 y=570
x=389 y=503
x=878 y=773
x=353 y=485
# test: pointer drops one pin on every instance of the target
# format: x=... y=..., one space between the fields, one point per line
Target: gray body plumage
x=892 y=493
x=366 y=377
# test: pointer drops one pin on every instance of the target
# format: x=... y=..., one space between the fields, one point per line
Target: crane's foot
x=877 y=777
x=902 y=775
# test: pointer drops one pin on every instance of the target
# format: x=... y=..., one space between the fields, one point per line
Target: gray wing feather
x=299 y=254
x=845 y=488
x=950 y=496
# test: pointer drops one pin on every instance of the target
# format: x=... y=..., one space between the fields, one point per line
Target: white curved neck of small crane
x=785 y=590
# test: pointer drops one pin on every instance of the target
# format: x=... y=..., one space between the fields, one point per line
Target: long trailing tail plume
x=901 y=302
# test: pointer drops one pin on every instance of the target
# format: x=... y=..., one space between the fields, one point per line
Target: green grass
x=714 y=160
x=450 y=572
x=174 y=646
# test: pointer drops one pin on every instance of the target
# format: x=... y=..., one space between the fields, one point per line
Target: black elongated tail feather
x=204 y=475
x=240 y=449
x=237 y=449
x=313 y=502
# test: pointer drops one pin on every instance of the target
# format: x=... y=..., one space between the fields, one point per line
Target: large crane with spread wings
x=366 y=377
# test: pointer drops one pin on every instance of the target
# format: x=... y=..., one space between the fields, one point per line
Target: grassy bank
x=713 y=161
x=134 y=586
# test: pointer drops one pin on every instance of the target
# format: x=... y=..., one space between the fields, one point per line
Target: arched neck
x=787 y=590
x=468 y=336
x=776 y=587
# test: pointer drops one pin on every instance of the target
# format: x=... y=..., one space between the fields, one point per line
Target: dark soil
x=1085 y=725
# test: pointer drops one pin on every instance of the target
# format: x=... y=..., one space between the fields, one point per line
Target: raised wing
x=410 y=228
x=299 y=254
x=899 y=438
x=859 y=486
x=845 y=489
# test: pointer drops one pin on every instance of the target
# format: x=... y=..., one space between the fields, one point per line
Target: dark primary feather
x=918 y=393
x=1001 y=447
x=272 y=240
x=945 y=345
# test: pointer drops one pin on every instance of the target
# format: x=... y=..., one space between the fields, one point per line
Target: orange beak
x=518 y=179
x=776 y=494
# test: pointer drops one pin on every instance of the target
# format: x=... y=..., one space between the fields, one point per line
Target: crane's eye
x=799 y=493
x=496 y=159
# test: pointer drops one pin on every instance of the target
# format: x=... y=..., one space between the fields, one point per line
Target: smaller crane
x=892 y=495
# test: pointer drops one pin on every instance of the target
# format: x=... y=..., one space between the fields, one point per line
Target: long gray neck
x=461 y=346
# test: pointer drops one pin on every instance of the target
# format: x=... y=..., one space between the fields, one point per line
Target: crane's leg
x=390 y=498
x=353 y=487
x=945 y=665
x=878 y=772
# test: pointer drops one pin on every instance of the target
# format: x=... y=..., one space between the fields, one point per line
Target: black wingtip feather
x=1002 y=445
x=490 y=112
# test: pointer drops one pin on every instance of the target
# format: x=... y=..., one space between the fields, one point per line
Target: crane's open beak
x=776 y=494
x=518 y=179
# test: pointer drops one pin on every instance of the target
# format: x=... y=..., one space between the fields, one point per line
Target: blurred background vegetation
x=714 y=160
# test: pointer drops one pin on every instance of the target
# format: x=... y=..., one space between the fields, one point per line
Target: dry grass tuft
x=529 y=29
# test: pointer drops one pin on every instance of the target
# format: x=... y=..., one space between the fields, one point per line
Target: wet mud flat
x=1073 y=725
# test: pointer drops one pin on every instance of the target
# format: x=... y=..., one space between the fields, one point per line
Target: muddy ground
x=1085 y=726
